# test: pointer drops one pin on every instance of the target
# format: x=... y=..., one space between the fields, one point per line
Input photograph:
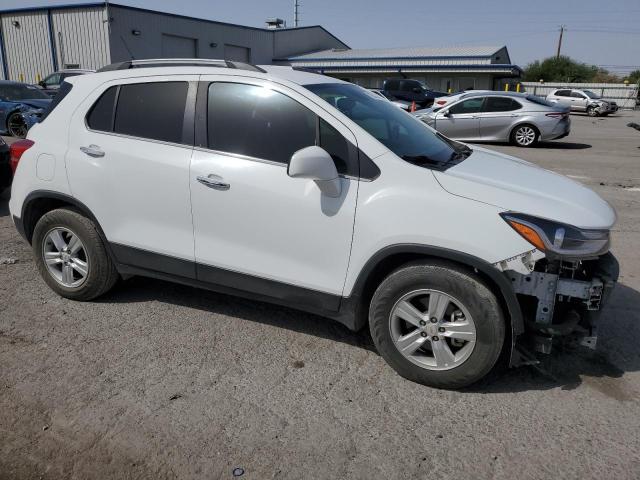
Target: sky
x=604 y=33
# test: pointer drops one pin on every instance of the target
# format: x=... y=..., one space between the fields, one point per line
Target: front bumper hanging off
x=562 y=301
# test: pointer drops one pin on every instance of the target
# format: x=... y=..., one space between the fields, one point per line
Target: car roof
x=75 y=70
x=269 y=72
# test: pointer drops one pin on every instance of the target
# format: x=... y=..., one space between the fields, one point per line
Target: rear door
x=255 y=227
x=579 y=101
x=128 y=162
x=563 y=97
x=497 y=116
x=461 y=120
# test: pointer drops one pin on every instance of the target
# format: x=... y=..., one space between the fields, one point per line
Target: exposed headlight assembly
x=558 y=239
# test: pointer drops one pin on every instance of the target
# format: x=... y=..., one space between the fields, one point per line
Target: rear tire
x=525 y=136
x=472 y=319
x=16 y=126
x=71 y=256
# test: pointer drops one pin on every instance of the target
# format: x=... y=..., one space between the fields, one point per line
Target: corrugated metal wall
x=210 y=37
x=27 y=46
x=81 y=36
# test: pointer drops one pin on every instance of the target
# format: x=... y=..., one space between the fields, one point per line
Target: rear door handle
x=213 y=181
x=92 y=151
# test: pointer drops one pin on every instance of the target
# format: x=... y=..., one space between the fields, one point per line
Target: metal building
x=37 y=41
x=444 y=69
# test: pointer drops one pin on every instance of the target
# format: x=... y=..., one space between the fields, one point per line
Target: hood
x=35 y=103
x=520 y=186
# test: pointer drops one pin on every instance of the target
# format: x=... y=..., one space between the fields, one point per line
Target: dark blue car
x=21 y=106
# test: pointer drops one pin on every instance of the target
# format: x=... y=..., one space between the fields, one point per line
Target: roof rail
x=180 y=62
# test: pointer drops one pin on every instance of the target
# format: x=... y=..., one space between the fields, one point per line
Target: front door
x=256 y=228
x=461 y=120
x=128 y=162
x=578 y=101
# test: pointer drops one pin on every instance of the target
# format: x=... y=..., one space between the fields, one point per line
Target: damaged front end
x=561 y=286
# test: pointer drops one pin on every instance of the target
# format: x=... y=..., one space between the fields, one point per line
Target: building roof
x=466 y=59
x=401 y=53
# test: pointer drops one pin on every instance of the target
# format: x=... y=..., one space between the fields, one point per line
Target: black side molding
x=486 y=269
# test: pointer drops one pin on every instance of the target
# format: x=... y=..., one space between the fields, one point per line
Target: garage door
x=239 y=54
x=174 y=46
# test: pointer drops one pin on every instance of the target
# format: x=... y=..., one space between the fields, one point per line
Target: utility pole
x=296 y=5
x=562 y=27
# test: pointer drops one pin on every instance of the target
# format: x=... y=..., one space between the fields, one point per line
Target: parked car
x=411 y=91
x=21 y=106
x=406 y=106
x=5 y=169
x=51 y=83
x=447 y=99
x=583 y=101
x=521 y=119
x=307 y=191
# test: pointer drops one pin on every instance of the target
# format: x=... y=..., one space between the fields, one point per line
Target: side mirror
x=316 y=164
x=446 y=113
x=42 y=84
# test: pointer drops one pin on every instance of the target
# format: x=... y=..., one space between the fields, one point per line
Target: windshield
x=590 y=94
x=15 y=92
x=400 y=132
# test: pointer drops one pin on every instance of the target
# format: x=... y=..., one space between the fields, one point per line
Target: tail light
x=441 y=102
x=16 y=149
x=558 y=115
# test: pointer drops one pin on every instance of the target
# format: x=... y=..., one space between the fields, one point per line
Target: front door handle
x=214 y=181
x=92 y=151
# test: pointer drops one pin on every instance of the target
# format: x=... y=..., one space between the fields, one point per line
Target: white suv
x=307 y=191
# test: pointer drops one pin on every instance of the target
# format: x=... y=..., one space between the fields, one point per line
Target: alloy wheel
x=66 y=257
x=16 y=126
x=432 y=329
x=525 y=136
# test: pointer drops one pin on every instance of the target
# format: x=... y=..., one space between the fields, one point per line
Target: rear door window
x=500 y=104
x=152 y=110
x=563 y=93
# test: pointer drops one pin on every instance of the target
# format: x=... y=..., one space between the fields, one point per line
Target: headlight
x=556 y=238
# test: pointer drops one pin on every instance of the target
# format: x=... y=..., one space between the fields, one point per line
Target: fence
x=626 y=96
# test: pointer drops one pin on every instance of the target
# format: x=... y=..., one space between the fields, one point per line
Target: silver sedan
x=522 y=119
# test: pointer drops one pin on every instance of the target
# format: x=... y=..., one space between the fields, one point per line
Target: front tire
x=71 y=256
x=593 y=112
x=525 y=136
x=437 y=324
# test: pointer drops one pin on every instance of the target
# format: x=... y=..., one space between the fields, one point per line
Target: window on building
x=501 y=104
x=257 y=122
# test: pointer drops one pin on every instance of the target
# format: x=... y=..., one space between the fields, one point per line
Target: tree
x=565 y=69
x=633 y=77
